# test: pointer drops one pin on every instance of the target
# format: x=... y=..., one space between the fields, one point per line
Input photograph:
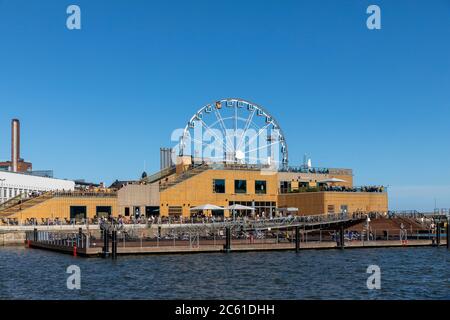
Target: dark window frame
x=214 y=186
x=259 y=191
x=238 y=189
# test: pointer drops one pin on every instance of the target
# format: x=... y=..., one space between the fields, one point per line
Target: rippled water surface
x=406 y=273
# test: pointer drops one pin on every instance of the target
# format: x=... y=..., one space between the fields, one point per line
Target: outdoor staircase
x=159 y=175
x=410 y=223
x=12 y=202
x=381 y=224
x=184 y=176
x=25 y=204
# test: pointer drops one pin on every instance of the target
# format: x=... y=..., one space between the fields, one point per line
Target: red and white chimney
x=15 y=144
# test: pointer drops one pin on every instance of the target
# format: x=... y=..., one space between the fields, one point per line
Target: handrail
x=160 y=174
x=183 y=176
x=317 y=170
x=9 y=203
x=369 y=189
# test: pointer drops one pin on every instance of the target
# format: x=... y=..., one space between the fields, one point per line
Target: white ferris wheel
x=234 y=131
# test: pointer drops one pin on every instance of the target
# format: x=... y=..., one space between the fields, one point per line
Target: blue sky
x=97 y=103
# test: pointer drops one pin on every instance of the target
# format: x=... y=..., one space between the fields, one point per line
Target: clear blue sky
x=96 y=103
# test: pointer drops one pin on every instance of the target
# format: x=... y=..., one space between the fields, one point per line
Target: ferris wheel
x=234 y=131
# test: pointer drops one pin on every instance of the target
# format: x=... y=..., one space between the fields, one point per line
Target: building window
x=285 y=186
x=344 y=208
x=103 y=211
x=78 y=212
x=330 y=208
x=260 y=187
x=151 y=211
x=127 y=211
x=219 y=186
x=175 y=211
x=217 y=214
x=240 y=186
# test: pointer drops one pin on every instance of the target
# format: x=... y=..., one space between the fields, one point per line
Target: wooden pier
x=235 y=247
x=295 y=234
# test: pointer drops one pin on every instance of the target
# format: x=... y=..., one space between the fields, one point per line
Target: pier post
x=227 y=239
x=80 y=237
x=448 y=234
x=105 y=244
x=114 y=244
x=297 y=239
x=438 y=233
x=341 y=236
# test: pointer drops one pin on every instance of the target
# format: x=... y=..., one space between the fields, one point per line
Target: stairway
x=381 y=224
x=409 y=223
x=159 y=175
x=12 y=202
x=184 y=176
x=25 y=204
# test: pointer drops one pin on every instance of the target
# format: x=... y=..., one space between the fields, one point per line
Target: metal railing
x=358 y=189
x=317 y=170
x=12 y=201
x=77 y=194
x=59 y=239
x=159 y=175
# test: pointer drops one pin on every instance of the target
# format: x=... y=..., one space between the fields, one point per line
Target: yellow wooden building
x=175 y=191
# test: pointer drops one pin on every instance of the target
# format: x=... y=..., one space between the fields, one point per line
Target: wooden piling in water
x=297 y=239
x=448 y=235
x=227 y=239
x=114 y=244
x=341 y=236
x=438 y=233
x=105 y=252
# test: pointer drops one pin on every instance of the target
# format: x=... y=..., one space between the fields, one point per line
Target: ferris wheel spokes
x=222 y=124
x=236 y=132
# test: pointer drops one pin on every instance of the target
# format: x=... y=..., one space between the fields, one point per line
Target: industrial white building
x=13 y=184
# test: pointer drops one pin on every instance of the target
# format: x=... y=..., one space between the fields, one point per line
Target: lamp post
x=368 y=227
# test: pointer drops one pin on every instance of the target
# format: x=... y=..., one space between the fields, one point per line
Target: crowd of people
x=304 y=169
x=353 y=189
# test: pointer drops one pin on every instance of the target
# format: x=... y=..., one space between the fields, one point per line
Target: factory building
x=16 y=184
x=177 y=190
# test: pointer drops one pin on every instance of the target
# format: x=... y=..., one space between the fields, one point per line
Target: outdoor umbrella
x=332 y=180
x=239 y=207
x=205 y=207
x=236 y=207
